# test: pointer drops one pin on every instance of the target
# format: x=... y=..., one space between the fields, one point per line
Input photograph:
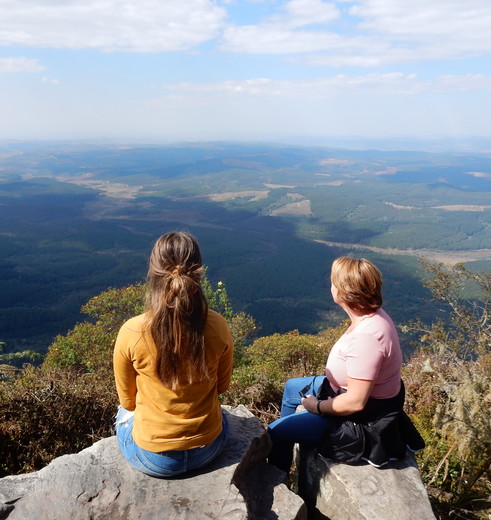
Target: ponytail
x=177 y=309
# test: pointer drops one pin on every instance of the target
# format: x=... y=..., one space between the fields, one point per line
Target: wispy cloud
x=368 y=33
x=50 y=81
x=20 y=65
x=465 y=24
x=301 y=13
x=111 y=25
x=375 y=83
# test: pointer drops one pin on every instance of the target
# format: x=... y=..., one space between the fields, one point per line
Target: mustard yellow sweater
x=165 y=419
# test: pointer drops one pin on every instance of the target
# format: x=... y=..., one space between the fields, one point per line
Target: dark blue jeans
x=304 y=427
x=165 y=463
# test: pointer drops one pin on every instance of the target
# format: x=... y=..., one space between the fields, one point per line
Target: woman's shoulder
x=380 y=327
x=134 y=324
x=380 y=317
x=378 y=324
x=215 y=319
x=216 y=327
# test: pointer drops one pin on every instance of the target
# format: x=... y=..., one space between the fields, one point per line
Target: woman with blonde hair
x=170 y=365
x=362 y=380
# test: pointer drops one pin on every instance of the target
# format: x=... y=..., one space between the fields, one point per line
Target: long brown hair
x=177 y=309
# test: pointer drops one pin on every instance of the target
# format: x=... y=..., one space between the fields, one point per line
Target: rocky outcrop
x=98 y=484
x=337 y=491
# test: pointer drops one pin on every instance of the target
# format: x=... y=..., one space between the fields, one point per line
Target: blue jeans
x=165 y=463
x=304 y=427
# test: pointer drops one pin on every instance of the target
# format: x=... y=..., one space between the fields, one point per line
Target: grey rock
x=98 y=484
x=337 y=491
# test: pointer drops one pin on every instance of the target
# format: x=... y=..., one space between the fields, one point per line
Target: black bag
x=344 y=441
x=325 y=390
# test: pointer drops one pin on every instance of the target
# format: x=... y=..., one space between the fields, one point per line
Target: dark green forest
x=77 y=219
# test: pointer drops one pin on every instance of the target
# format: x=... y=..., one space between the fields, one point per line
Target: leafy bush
x=89 y=345
x=16 y=359
x=267 y=364
x=449 y=391
x=47 y=412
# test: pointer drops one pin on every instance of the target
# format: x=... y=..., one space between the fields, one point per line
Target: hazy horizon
x=469 y=144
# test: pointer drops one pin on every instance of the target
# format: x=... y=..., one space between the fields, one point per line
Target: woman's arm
x=124 y=373
x=225 y=365
x=353 y=400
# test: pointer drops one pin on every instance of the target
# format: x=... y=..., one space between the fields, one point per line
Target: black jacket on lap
x=380 y=432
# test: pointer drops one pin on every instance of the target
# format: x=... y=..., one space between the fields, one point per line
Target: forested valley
x=77 y=224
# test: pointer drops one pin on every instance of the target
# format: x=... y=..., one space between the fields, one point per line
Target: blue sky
x=244 y=69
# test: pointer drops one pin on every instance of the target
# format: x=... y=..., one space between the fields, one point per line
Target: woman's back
x=371 y=351
x=187 y=417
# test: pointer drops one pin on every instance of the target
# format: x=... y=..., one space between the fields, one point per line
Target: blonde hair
x=177 y=309
x=359 y=283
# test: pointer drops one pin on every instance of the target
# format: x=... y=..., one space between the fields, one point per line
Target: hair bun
x=177 y=271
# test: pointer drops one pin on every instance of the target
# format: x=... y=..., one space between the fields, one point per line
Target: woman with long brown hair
x=170 y=365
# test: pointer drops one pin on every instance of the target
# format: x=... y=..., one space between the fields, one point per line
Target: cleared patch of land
x=399 y=206
x=273 y=186
x=115 y=190
x=294 y=209
x=462 y=207
x=480 y=175
x=333 y=183
x=231 y=195
x=388 y=171
x=331 y=160
x=446 y=257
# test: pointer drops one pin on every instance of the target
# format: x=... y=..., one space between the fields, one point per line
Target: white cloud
x=110 y=25
x=369 y=33
x=299 y=13
x=332 y=33
x=316 y=88
x=50 y=81
x=273 y=39
x=453 y=82
x=433 y=29
x=282 y=33
x=420 y=20
x=20 y=65
x=326 y=87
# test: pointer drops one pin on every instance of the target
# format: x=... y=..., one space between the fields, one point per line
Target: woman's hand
x=353 y=400
x=309 y=402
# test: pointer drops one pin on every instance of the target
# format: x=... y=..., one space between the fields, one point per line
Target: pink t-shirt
x=371 y=352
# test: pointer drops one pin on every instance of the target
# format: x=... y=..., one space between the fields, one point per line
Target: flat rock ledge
x=98 y=484
x=335 y=491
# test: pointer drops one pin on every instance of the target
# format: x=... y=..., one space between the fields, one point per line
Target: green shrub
x=47 y=412
x=267 y=364
x=448 y=383
x=89 y=345
x=15 y=360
